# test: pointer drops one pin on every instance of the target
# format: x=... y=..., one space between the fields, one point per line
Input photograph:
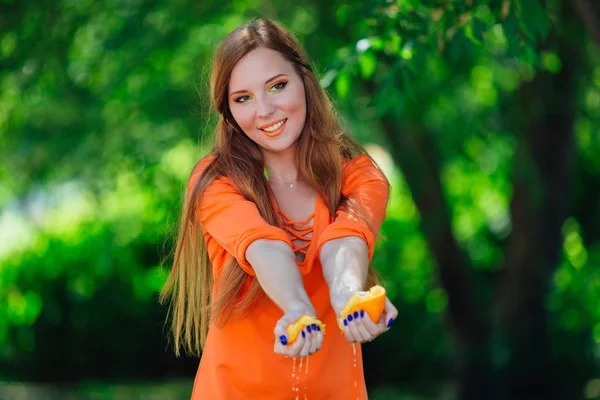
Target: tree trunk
x=541 y=183
x=417 y=158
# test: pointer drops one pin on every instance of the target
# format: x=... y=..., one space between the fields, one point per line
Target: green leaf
x=534 y=18
x=342 y=84
x=511 y=32
x=8 y=44
x=551 y=62
x=469 y=33
x=367 y=64
x=342 y=14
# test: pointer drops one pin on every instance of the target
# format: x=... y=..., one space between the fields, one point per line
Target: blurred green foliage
x=102 y=107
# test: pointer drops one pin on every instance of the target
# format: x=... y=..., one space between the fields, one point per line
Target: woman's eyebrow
x=274 y=77
x=271 y=79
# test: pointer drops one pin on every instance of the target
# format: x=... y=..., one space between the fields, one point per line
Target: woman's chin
x=277 y=148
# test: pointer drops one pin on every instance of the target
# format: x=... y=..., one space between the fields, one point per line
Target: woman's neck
x=282 y=165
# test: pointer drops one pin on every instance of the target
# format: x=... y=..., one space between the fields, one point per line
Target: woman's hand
x=308 y=342
x=358 y=327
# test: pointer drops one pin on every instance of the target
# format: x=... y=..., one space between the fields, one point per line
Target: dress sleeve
x=232 y=220
x=365 y=185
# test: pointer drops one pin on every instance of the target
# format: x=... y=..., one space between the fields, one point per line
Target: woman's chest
x=298 y=212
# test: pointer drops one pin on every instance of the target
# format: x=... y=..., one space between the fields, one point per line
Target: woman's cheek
x=244 y=119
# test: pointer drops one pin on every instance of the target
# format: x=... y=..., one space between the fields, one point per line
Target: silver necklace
x=289 y=183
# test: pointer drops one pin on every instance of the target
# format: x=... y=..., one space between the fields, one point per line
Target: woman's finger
x=305 y=350
x=314 y=337
x=320 y=338
x=280 y=330
x=390 y=312
x=352 y=329
x=347 y=332
x=290 y=349
x=371 y=327
x=299 y=343
x=361 y=329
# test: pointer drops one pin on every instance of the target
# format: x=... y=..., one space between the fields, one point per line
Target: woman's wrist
x=339 y=298
x=300 y=307
x=345 y=265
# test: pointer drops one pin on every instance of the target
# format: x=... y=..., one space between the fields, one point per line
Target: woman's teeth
x=273 y=128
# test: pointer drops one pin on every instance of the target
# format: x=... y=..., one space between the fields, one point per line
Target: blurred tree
x=393 y=62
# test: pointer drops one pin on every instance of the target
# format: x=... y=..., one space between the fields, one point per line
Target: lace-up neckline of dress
x=298 y=231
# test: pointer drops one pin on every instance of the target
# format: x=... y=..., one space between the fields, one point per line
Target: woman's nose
x=264 y=107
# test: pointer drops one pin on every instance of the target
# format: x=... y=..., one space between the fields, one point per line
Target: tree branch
x=589 y=13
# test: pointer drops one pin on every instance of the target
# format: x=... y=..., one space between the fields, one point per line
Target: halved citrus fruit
x=294 y=329
x=373 y=302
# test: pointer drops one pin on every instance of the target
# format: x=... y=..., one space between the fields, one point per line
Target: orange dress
x=238 y=361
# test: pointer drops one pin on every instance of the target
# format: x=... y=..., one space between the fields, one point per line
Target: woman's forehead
x=256 y=67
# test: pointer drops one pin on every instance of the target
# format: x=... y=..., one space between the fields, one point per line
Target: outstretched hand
x=358 y=326
x=308 y=342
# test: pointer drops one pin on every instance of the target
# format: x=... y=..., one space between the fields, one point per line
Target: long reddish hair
x=322 y=147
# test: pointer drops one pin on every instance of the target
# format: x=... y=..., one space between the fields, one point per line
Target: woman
x=279 y=222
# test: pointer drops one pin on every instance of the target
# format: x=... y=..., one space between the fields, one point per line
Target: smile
x=275 y=129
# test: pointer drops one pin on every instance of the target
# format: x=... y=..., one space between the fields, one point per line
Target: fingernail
x=283 y=340
x=319 y=328
x=350 y=318
x=390 y=322
x=314 y=327
x=362 y=313
x=303 y=334
x=355 y=314
x=345 y=322
x=308 y=329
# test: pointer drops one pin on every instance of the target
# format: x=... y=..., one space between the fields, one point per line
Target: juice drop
x=293 y=374
x=305 y=378
x=354 y=365
x=306 y=370
x=298 y=380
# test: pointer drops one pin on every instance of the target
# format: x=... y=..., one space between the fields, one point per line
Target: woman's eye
x=242 y=99
x=278 y=86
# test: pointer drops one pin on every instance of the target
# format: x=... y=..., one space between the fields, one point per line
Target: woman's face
x=267 y=100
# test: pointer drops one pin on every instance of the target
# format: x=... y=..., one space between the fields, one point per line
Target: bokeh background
x=485 y=115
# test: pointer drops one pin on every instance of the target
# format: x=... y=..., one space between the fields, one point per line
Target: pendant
x=292 y=184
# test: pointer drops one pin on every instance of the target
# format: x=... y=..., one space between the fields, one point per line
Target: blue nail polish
x=390 y=322
x=303 y=334
x=283 y=340
x=362 y=313
x=355 y=314
x=308 y=329
x=350 y=318
x=319 y=328
x=345 y=322
x=314 y=327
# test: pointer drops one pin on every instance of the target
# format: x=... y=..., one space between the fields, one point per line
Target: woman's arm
x=348 y=243
x=274 y=264
x=345 y=263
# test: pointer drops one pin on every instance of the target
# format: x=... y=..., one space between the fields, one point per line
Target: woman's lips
x=276 y=132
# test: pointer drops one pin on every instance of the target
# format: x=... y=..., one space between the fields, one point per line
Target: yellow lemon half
x=373 y=302
x=294 y=329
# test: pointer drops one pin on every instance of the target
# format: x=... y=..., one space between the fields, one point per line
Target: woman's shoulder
x=198 y=170
x=202 y=164
x=361 y=161
x=359 y=170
